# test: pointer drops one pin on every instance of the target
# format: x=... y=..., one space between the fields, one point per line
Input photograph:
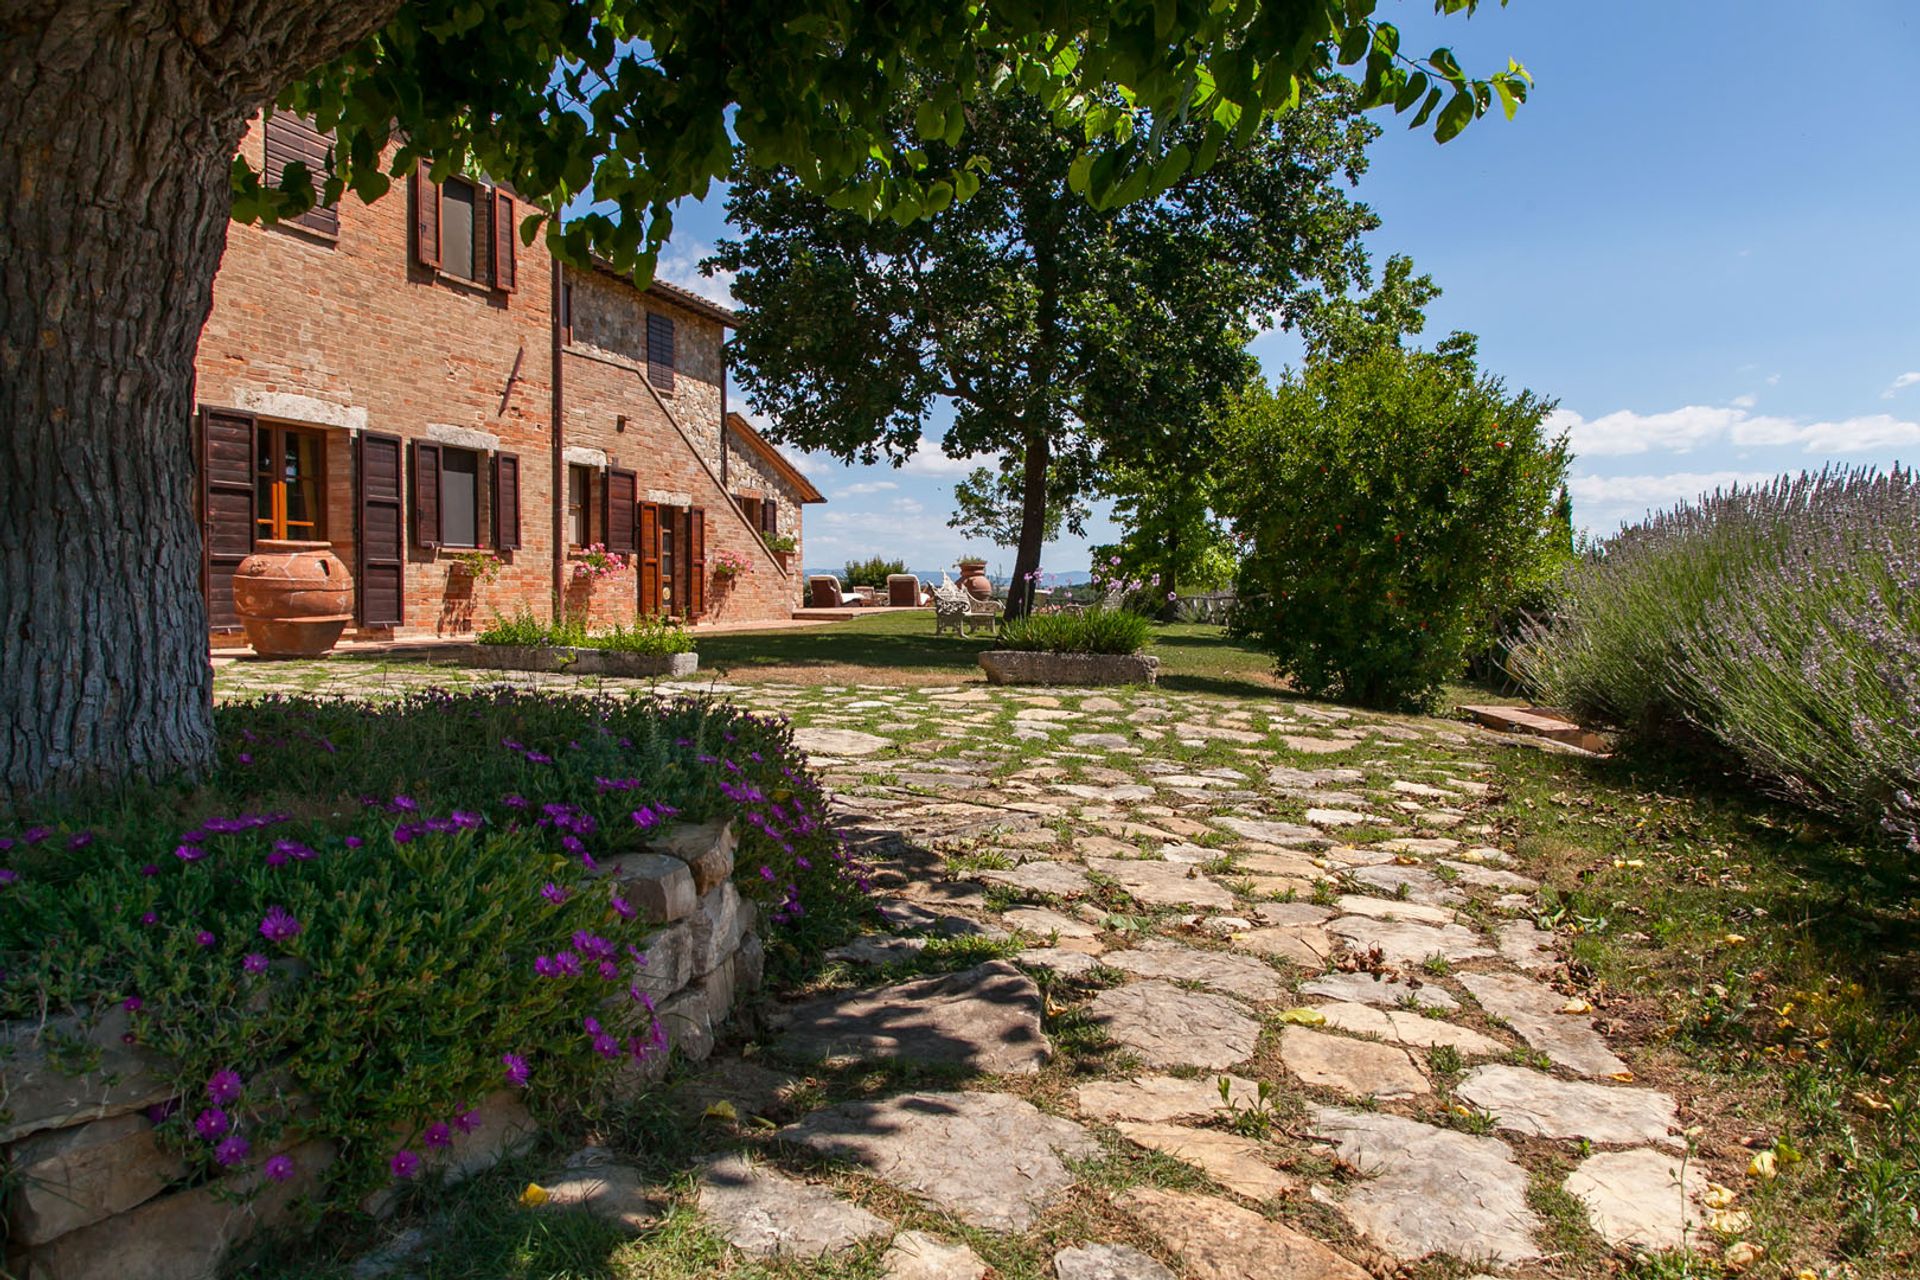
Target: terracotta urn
x=294 y=598
x=973 y=577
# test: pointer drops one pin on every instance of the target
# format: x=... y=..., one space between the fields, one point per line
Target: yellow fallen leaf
x=1729 y=1222
x=1806 y=1273
x=1459 y=1110
x=534 y=1196
x=1871 y=1101
x=1734 y=939
x=1717 y=1196
x=1636 y=862
x=722 y=1110
x=1742 y=1254
x=1576 y=1005
x=1763 y=1165
x=1624 y=1077
x=1304 y=1017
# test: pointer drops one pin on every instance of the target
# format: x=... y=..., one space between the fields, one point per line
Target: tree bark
x=1033 y=522
x=120 y=123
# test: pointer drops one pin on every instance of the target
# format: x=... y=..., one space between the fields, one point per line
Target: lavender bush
x=1781 y=620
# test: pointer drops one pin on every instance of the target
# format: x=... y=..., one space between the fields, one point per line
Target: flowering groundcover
x=388 y=912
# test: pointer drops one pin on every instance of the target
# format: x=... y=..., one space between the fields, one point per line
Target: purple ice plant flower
x=437 y=1135
x=224 y=1087
x=211 y=1123
x=205 y=938
x=278 y=1168
x=355 y=842
x=516 y=1068
x=621 y=907
x=405 y=1164
x=189 y=852
x=233 y=1151
x=466 y=1120
x=8 y=875
x=133 y=1004
x=253 y=962
x=278 y=925
x=79 y=840
x=553 y=893
x=150 y=870
x=292 y=849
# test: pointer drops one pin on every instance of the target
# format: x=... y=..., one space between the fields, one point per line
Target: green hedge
x=1094 y=630
x=389 y=909
x=646 y=635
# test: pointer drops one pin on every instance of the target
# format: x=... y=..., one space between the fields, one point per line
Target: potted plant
x=593 y=562
x=728 y=565
x=478 y=567
x=782 y=545
x=1097 y=646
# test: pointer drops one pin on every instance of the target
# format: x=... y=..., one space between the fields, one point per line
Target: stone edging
x=585 y=662
x=96 y=1194
x=1020 y=666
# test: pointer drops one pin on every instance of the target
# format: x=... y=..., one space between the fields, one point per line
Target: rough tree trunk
x=119 y=122
x=1033 y=523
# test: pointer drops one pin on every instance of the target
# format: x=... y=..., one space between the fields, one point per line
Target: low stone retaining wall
x=1020 y=666
x=585 y=662
x=95 y=1195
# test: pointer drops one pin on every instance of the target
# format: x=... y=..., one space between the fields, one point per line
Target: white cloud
x=680 y=264
x=929 y=460
x=1625 y=433
x=1745 y=402
x=1603 y=503
x=864 y=488
x=1900 y=384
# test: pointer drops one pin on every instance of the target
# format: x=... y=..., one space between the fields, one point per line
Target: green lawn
x=901 y=648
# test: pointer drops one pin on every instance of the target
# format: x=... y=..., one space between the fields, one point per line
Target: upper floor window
x=291 y=138
x=660 y=350
x=464 y=228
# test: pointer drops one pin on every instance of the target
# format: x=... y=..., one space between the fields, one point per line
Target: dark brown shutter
x=426 y=217
x=503 y=263
x=226 y=507
x=649 y=558
x=383 y=524
x=506 y=501
x=292 y=137
x=660 y=351
x=697 y=556
x=426 y=494
x=769 y=517
x=622 y=490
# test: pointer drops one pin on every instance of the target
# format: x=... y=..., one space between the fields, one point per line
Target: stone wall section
x=749 y=475
x=96 y=1196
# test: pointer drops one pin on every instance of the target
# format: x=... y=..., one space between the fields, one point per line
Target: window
x=289 y=499
x=460 y=497
x=750 y=508
x=579 y=505
x=667 y=515
x=458 y=216
x=660 y=351
x=292 y=138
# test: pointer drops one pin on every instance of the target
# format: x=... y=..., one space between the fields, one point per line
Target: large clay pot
x=294 y=598
x=974 y=579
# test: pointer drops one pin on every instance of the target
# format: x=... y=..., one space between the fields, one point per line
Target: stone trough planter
x=586 y=662
x=1021 y=666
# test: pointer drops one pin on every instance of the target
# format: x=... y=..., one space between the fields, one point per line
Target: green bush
x=1392 y=504
x=871 y=573
x=1095 y=630
x=647 y=635
x=387 y=910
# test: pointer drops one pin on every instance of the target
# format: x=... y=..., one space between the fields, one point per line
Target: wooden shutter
x=382 y=526
x=292 y=137
x=426 y=494
x=506 y=501
x=622 y=491
x=503 y=246
x=649 y=573
x=769 y=517
x=660 y=351
x=426 y=217
x=697 y=561
x=226 y=507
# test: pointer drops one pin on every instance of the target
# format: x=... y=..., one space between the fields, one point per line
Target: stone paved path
x=1100 y=907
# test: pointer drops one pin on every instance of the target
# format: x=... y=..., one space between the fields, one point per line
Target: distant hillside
x=1071 y=579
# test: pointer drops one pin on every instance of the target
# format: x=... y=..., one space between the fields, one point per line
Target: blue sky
x=1702 y=236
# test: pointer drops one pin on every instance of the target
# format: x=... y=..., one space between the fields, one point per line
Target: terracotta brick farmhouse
x=409 y=383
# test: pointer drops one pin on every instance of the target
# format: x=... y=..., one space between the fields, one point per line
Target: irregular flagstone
x=1306 y=945
x=1236 y=975
x=838 y=742
x=1277 y=864
x=1104 y=847
x=1054 y=878
x=1193 y=729
x=1368 y=988
x=1311 y=779
x=1422 y=789
x=1357 y=1067
x=1044 y=922
x=1120 y=794
x=1638 y=1200
x=1431 y=1190
x=915 y=1255
x=1099 y=741
x=1234 y=1162
x=1420 y=884
x=1490 y=877
x=1068 y=964
x=987 y=1018
x=1426 y=846
x=1156 y=1099
x=870 y=949
x=1218 y=1240
x=1405 y=942
x=1188 y=854
x=1107 y=1262
x=990 y=1159
x=1318 y=746
x=1162 y=884
x=1169 y=1027
x=1526 y=945
x=1534 y=1011
x=768 y=1214
x=1354 y=904
x=1545 y=1106
x=1403 y=1026
x=1276 y=833
x=613 y=1192
x=1294 y=913
x=1337 y=818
